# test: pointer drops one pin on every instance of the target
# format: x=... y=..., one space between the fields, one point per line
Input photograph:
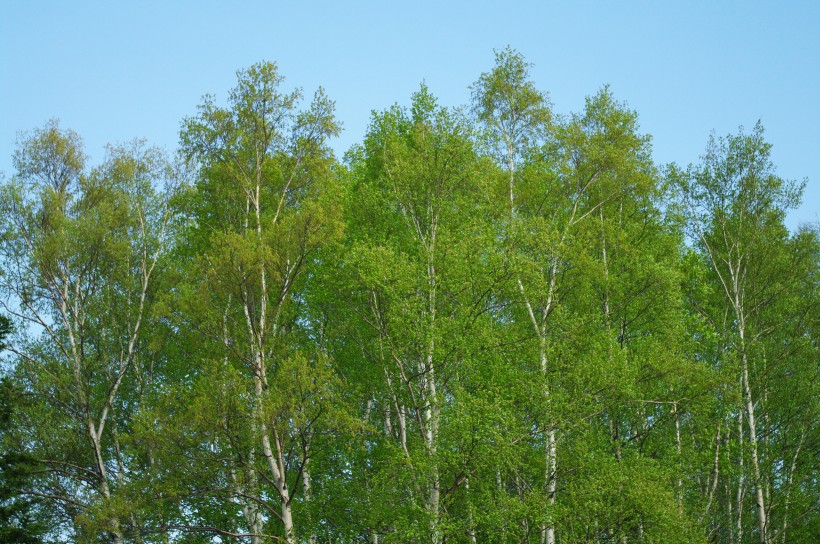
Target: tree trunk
x=432 y=408
x=789 y=483
x=750 y=414
x=680 y=458
x=741 y=491
x=306 y=485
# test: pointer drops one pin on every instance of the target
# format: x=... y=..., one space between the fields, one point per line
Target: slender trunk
x=511 y=166
x=105 y=490
x=275 y=462
x=678 y=450
x=401 y=417
x=470 y=514
x=306 y=486
x=552 y=483
x=432 y=408
x=550 y=464
x=729 y=515
x=750 y=415
x=277 y=467
x=764 y=400
x=253 y=515
x=551 y=453
x=258 y=334
x=250 y=510
x=715 y=472
x=388 y=424
x=501 y=492
x=547 y=530
x=789 y=483
x=71 y=316
x=741 y=478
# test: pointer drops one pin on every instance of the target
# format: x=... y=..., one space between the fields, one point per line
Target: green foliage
x=487 y=325
x=514 y=111
x=79 y=249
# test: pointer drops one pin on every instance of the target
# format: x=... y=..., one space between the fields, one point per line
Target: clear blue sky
x=114 y=71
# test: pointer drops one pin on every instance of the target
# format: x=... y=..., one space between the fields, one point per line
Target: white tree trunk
x=306 y=485
x=432 y=408
x=741 y=490
x=760 y=503
x=678 y=450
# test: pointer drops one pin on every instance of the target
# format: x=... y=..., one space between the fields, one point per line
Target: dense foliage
x=488 y=324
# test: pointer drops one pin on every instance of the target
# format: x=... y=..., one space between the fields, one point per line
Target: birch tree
x=263 y=206
x=564 y=177
x=80 y=249
x=736 y=206
x=516 y=116
x=417 y=295
x=487 y=325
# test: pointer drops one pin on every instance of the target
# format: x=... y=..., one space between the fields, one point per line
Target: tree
x=486 y=325
x=736 y=205
x=414 y=242
x=79 y=250
x=515 y=114
x=262 y=207
x=516 y=117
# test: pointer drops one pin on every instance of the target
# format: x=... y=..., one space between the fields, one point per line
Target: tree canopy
x=491 y=323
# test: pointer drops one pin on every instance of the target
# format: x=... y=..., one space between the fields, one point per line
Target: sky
x=115 y=71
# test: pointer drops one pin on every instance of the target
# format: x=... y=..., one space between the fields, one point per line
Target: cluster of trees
x=489 y=324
